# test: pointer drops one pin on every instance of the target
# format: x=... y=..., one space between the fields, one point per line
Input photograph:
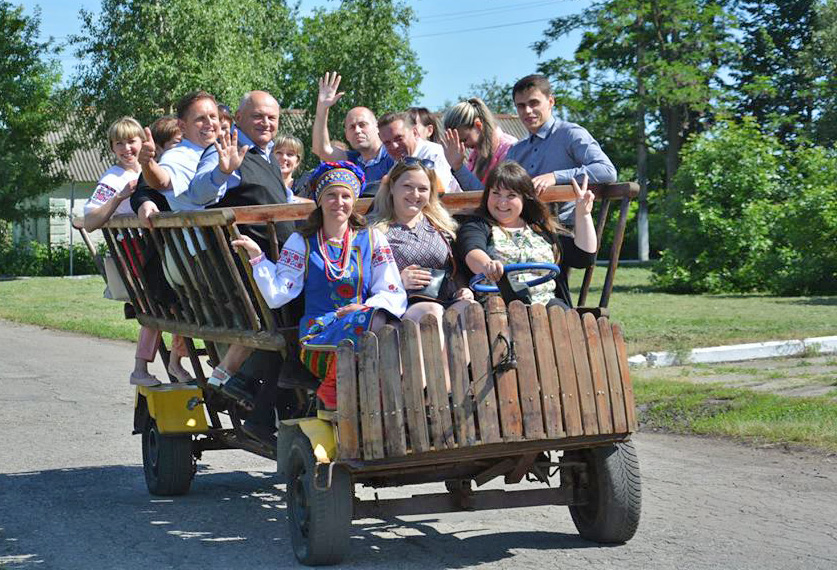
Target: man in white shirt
x=400 y=137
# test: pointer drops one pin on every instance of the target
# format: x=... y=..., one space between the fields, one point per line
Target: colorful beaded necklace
x=335 y=268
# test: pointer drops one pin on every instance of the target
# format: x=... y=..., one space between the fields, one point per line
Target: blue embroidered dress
x=373 y=280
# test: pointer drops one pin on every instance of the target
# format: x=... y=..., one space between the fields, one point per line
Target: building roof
x=84 y=165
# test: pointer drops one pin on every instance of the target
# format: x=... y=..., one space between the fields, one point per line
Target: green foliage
x=39 y=260
x=140 y=56
x=367 y=43
x=30 y=108
x=496 y=95
x=749 y=214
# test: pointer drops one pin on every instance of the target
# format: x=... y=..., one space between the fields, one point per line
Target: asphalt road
x=72 y=494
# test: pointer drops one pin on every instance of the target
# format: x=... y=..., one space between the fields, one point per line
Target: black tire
x=320 y=521
x=615 y=495
x=167 y=461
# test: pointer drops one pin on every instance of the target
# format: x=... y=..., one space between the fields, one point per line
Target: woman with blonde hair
x=471 y=125
x=289 y=154
x=420 y=232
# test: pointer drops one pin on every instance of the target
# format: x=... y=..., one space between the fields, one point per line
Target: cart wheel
x=613 y=487
x=320 y=520
x=167 y=461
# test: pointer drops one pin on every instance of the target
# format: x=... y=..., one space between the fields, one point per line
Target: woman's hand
x=345 y=310
x=414 y=277
x=454 y=149
x=583 y=197
x=126 y=192
x=493 y=269
x=251 y=247
x=464 y=294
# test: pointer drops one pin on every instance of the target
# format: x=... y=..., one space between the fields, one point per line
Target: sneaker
x=144 y=380
x=236 y=389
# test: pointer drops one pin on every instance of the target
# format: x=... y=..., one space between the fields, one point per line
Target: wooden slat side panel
x=547 y=372
x=586 y=392
x=389 y=362
x=370 y=397
x=614 y=380
x=460 y=384
x=482 y=378
x=527 y=372
x=413 y=386
x=627 y=386
x=599 y=373
x=511 y=422
x=570 y=400
x=441 y=426
x=348 y=432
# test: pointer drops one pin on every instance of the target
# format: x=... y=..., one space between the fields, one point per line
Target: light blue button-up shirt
x=210 y=184
x=181 y=162
x=568 y=151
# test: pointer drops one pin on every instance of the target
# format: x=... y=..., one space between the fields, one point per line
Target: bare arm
x=585 y=232
x=96 y=218
x=326 y=98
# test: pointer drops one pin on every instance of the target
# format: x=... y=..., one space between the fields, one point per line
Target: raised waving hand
x=230 y=156
x=454 y=149
x=329 y=85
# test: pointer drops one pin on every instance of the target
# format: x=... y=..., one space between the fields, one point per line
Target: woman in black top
x=513 y=226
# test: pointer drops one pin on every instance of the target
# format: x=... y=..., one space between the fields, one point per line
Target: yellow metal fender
x=321 y=434
x=169 y=405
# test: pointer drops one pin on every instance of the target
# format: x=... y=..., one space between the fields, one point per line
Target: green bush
x=38 y=260
x=747 y=214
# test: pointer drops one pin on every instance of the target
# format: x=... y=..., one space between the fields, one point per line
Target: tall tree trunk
x=641 y=151
x=675 y=117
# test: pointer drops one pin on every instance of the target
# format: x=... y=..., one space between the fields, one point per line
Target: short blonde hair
x=125 y=128
x=291 y=142
x=434 y=210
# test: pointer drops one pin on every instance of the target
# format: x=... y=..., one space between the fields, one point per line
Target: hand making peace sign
x=583 y=197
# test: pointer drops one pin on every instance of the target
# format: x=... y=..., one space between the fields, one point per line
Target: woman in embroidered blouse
x=471 y=125
x=514 y=226
x=346 y=272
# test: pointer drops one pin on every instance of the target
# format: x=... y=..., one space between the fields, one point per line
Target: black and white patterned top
x=422 y=245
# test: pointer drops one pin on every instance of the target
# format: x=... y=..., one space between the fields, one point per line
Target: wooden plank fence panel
x=627 y=386
x=389 y=361
x=370 y=397
x=348 y=440
x=614 y=380
x=413 y=386
x=570 y=400
x=482 y=377
x=547 y=372
x=441 y=425
x=527 y=372
x=598 y=373
x=586 y=392
x=463 y=404
x=511 y=422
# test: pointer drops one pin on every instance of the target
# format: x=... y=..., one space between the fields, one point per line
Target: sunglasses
x=412 y=161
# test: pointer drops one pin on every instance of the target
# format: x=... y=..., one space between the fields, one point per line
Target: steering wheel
x=553 y=271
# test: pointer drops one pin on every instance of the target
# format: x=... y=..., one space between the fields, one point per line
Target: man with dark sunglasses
x=399 y=135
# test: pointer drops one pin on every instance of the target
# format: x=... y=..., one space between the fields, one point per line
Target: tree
x=641 y=64
x=496 y=95
x=823 y=55
x=30 y=108
x=140 y=56
x=775 y=78
x=367 y=43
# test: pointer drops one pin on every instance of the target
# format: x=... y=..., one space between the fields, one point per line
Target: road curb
x=737 y=352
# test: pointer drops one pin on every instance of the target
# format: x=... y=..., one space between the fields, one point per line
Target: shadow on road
x=103 y=517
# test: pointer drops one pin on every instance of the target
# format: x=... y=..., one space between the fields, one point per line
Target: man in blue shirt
x=361 y=130
x=555 y=151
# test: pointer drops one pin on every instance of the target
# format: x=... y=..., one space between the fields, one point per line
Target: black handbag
x=431 y=291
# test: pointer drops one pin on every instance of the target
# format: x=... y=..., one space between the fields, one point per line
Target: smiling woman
x=345 y=271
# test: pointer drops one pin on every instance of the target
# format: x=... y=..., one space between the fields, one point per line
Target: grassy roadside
x=652 y=320
x=712 y=409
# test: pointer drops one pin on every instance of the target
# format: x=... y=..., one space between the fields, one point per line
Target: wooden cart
x=535 y=394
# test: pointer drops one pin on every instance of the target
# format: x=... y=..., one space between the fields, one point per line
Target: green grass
x=651 y=320
x=715 y=410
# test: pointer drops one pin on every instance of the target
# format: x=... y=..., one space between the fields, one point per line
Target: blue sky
x=458 y=43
